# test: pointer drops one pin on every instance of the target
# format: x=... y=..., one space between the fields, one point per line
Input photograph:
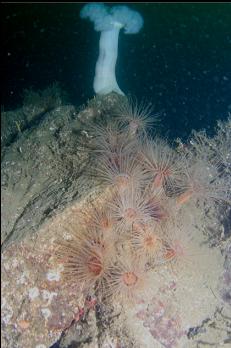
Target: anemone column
x=105 y=79
x=109 y=21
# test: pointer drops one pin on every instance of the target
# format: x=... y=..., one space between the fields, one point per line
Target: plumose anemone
x=109 y=21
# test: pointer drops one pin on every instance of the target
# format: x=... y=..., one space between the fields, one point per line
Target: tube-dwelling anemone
x=155 y=205
x=126 y=279
x=132 y=205
x=148 y=242
x=85 y=258
x=111 y=140
x=163 y=165
x=99 y=219
x=121 y=172
x=138 y=118
x=180 y=248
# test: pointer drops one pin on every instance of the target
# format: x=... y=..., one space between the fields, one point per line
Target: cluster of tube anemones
x=112 y=246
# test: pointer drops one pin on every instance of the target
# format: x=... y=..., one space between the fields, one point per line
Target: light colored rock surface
x=42 y=192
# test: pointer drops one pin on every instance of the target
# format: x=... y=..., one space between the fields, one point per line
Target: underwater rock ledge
x=44 y=186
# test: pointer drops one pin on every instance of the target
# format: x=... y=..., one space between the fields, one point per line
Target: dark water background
x=180 y=61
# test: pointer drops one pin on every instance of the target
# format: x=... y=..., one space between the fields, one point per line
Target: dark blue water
x=180 y=61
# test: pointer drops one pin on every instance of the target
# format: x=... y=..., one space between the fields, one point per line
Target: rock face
x=37 y=305
x=39 y=174
x=46 y=182
x=43 y=168
x=43 y=172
